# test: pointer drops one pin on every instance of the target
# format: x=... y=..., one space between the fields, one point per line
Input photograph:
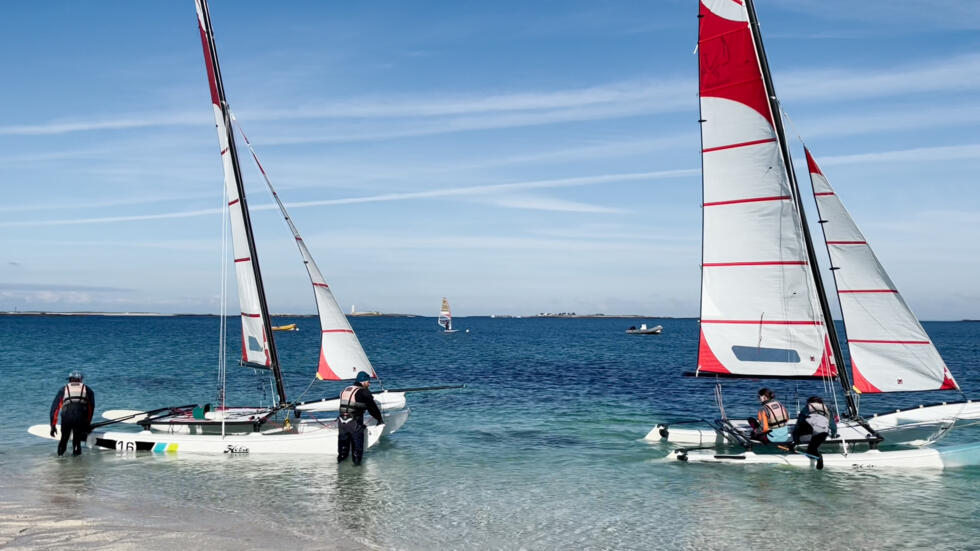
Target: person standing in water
x=76 y=404
x=354 y=401
x=816 y=422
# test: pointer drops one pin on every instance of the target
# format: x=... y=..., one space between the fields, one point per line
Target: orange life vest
x=773 y=415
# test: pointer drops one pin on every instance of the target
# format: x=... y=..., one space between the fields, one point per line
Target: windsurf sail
x=889 y=349
x=761 y=314
x=341 y=354
x=445 y=316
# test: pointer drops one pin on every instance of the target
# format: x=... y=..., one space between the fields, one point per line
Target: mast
x=228 y=137
x=811 y=255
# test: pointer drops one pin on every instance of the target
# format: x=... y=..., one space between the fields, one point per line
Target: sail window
x=253 y=344
x=759 y=354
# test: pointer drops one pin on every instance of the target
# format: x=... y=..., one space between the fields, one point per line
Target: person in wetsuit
x=354 y=401
x=816 y=421
x=76 y=404
x=770 y=424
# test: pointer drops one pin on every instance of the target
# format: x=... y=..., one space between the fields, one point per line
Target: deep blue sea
x=543 y=448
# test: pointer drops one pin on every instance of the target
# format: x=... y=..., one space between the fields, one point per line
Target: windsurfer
x=816 y=422
x=76 y=404
x=354 y=401
x=770 y=424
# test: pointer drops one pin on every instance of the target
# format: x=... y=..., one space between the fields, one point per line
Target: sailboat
x=764 y=306
x=446 y=317
x=262 y=429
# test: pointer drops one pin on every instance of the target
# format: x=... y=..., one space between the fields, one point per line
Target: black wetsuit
x=76 y=407
x=350 y=437
x=817 y=435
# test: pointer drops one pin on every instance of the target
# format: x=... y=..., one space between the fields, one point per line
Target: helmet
x=362 y=377
x=75 y=375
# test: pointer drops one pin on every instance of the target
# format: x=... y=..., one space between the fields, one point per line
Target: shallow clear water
x=543 y=448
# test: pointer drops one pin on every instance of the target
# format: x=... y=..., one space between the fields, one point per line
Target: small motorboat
x=644 y=330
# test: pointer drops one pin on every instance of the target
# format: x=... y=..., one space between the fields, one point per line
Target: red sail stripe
x=887 y=342
x=337 y=331
x=246 y=259
x=233 y=202
x=847 y=242
x=764 y=322
x=209 y=63
x=868 y=291
x=824 y=193
x=251 y=315
x=753 y=200
x=223 y=151
x=769 y=263
x=734 y=145
x=324 y=285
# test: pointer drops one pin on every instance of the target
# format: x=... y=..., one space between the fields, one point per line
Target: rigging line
x=223 y=305
x=307 y=389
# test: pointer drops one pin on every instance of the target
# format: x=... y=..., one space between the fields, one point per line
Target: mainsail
x=760 y=309
x=258 y=347
x=341 y=354
x=445 y=316
x=890 y=351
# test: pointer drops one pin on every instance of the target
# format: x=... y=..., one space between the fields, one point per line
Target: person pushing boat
x=76 y=404
x=354 y=401
x=770 y=424
x=816 y=422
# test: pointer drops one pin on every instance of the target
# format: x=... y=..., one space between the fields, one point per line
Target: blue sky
x=514 y=157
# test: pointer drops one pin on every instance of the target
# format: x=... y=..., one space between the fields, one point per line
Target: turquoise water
x=543 y=448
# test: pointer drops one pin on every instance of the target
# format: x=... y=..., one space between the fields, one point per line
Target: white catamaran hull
x=385 y=400
x=310 y=437
x=911 y=427
x=923 y=458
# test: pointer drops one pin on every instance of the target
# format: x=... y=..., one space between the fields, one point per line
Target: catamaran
x=278 y=428
x=446 y=317
x=764 y=306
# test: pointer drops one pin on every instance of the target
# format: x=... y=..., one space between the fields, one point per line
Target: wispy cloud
x=916 y=15
x=956 y=73
x=943 y=153
x=536 y=202
x=451 y=192
x=895 y=117
x=414 y=116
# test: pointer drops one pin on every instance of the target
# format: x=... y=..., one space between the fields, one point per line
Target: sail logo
x=236 y=449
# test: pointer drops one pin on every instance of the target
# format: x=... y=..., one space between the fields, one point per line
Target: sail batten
x=889 y=349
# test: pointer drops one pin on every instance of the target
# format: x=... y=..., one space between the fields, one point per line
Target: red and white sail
x=890 y=351
x=255 y=342
x=760 y=313
x=341 y=354
x=445 y=315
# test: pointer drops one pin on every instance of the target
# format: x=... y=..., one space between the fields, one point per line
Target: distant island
x=574 y=315
x=158 y=314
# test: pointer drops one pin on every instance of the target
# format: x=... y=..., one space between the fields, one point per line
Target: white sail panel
x=890 y=351
x=341 y=354
x=255 y=344
x=760 y=314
